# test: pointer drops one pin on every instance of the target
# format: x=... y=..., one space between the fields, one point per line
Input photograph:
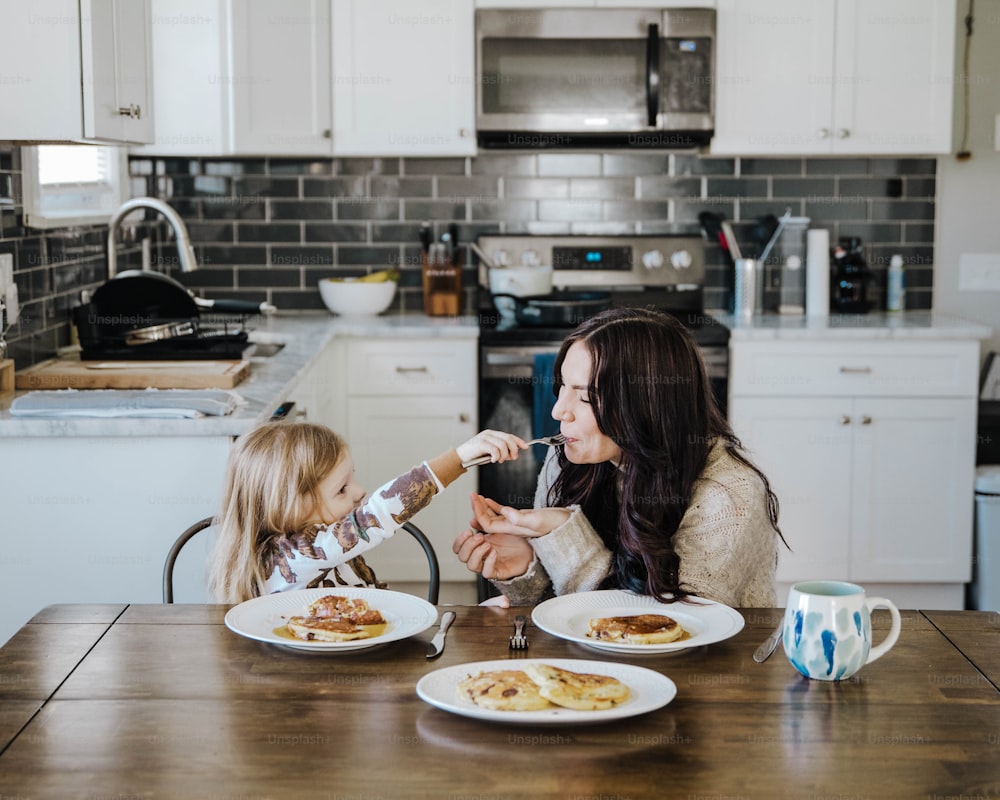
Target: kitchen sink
x=266 y=349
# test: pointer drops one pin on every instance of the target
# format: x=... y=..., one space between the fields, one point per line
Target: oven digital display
x=605 y=259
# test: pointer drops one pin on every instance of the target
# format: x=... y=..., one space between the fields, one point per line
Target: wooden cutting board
x=70 y=374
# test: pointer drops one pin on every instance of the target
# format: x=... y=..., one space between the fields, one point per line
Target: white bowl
x=353 y=298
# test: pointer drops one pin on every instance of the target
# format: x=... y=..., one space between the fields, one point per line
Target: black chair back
x=434 y=569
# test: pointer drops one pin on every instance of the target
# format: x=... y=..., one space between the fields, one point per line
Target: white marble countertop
x=925 y=325
x=271 y=379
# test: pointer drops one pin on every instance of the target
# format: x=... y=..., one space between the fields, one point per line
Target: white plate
x=649 y=691
x=405 y=614
x=568 y=617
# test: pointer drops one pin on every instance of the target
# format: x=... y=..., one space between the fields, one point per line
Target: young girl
x=294 y=517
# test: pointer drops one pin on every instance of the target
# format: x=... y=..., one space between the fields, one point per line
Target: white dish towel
x=164 y=403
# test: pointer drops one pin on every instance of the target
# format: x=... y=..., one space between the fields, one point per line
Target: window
x=72 y=184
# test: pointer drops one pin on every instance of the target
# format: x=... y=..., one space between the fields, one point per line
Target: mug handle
x=886 y=644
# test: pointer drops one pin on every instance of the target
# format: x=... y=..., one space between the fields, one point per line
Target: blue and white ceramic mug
x=828 y=629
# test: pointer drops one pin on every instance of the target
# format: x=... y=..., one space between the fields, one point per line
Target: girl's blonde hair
x=271 y=485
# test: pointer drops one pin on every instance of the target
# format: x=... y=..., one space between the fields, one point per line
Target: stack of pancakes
x=637 y=629
x=335 y=619
x=540 y=686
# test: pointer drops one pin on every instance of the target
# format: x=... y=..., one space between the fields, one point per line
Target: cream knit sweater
x=727 y=548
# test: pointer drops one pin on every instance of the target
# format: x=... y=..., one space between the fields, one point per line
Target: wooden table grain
x=152 y=701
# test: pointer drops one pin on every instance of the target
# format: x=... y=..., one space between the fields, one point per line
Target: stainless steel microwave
x=565 y=77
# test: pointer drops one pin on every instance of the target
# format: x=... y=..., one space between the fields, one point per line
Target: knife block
x=6 y=377
x=442 y=287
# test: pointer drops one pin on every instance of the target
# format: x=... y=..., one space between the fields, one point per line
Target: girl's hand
x=499 y=446
x=494 y=518
x=496 y=557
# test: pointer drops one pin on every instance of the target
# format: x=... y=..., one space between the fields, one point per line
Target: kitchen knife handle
x=653 y=74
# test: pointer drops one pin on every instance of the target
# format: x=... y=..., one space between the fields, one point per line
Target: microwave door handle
x=653 y=74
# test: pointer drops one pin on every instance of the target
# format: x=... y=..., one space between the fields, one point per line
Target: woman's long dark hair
x=651 y=395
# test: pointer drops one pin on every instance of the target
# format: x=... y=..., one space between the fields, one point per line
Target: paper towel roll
x=818 y=272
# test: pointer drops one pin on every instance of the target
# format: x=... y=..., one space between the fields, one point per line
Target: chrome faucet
x=185 y=250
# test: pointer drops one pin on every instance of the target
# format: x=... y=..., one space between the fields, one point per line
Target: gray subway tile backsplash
x=269 y=229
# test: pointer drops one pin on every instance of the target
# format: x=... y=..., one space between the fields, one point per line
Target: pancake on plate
x=354 y=610
x=577 y=690
x=637 y=629
x=503 y=690
x=324 y=629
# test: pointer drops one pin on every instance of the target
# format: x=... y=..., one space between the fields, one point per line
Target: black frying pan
x=138 y=281
x=136 y=308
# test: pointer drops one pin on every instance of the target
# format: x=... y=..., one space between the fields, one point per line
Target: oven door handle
x=653 y=74
x=516 y=358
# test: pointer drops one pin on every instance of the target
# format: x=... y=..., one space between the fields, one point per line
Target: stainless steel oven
x=664 y=272
x=602 y=76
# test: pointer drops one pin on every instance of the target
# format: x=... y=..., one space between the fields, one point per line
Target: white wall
x=968 y=192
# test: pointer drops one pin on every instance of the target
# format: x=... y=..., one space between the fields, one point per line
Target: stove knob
x=681 y=259
x=529 y=258
x=652 y=259
x=501 y=258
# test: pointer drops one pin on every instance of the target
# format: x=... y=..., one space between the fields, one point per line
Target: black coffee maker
x=850 y=279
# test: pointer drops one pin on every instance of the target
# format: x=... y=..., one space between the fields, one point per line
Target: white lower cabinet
x=408 y=401
x=90 y=519
x=319 y=394
x=873 y=466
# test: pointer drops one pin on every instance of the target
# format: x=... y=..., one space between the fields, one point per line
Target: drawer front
x=406 y=368
x=861 y=369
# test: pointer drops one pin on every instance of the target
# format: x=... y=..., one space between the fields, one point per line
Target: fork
x=519 y=641
x=550 y=441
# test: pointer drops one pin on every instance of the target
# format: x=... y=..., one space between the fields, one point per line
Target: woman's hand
x=496 y=557
x=494 y=518
x=499 y=446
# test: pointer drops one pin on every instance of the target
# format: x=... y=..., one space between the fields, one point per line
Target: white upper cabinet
x=75 y=70
x=830 y=77
x=598 y=3
x=403 y=78
x=280 y=88
x=241 y=77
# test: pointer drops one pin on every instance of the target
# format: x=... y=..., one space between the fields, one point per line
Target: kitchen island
x=91 y=505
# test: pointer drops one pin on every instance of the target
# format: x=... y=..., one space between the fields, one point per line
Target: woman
x=651 y=491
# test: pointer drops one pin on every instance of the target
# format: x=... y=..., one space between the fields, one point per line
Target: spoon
x=762 y=653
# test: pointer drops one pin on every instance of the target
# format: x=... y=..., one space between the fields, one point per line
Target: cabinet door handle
x=407 y=370
x=856 y=370
x=843 y=133
x=866 y=420
x=845 y=420
x=464 y=418
x=131 y=111
x=824 y=133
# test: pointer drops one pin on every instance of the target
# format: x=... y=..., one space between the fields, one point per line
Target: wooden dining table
x=113 y=702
